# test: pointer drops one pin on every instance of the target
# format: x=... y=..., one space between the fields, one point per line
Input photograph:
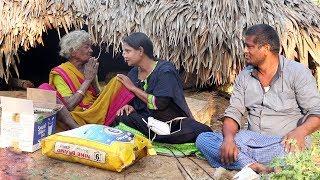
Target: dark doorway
x=36 y=63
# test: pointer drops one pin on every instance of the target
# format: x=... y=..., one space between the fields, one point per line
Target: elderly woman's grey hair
x=73 y=41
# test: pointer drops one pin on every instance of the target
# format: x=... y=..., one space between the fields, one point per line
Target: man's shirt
x=292 y=95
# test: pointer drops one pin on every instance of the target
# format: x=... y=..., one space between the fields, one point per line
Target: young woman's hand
x=126 y=81
x=125 y=109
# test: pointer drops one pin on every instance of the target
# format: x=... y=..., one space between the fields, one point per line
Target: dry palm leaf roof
x=203 y=36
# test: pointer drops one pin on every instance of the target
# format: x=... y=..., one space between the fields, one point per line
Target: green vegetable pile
x=302 y=165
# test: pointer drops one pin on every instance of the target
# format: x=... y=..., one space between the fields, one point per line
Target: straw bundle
x=205 y=37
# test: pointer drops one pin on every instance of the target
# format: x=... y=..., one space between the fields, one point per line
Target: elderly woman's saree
x=93 y=109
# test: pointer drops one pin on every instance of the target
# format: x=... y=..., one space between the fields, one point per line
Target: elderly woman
x=77 y=85
x=158 y=90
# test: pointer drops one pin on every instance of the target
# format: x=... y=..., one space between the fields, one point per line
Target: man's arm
x=307 y=96
x=311 y=125
x=231 y=122
x=229 y=150
x=19 y=83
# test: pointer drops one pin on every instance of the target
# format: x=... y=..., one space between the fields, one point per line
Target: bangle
x=80 y=92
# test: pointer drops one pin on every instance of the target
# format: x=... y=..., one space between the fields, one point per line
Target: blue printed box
x=43 y=127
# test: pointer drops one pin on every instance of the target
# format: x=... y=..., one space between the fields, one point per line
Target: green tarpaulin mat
x=178 y=150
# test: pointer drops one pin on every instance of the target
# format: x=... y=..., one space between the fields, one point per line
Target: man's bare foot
x=260 y=168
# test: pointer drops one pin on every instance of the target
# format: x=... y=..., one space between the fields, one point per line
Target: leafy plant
x=301 y=165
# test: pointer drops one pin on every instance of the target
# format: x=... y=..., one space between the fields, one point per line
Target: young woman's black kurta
x=165 y=85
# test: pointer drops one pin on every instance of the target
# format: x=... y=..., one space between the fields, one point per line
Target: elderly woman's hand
x=126 y=82
x=91 y=69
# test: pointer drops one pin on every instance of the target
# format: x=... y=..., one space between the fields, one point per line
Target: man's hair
x=73 y=41
x=265 y=34
x=139 y=39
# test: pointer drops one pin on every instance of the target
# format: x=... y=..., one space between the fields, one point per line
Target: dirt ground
x=15 y=165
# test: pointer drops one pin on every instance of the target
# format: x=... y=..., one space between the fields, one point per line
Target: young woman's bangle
x=80 y=92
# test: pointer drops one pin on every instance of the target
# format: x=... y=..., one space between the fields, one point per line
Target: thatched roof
x=204 y=36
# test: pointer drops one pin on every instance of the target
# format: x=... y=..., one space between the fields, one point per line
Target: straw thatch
x=204 y=37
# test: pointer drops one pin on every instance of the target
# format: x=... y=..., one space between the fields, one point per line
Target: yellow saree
x=94 y=109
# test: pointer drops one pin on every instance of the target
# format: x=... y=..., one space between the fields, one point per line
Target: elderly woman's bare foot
x=260 y=168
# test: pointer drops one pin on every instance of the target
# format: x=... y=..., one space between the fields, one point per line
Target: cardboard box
x=24 y=122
